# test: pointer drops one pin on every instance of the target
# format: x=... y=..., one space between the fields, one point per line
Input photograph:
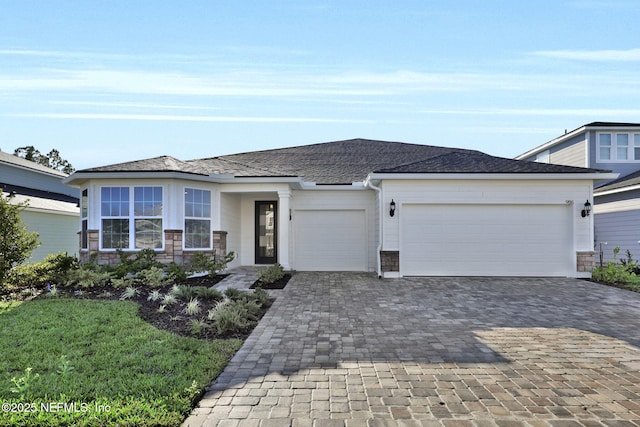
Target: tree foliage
x=52 y=160
x=16 y=242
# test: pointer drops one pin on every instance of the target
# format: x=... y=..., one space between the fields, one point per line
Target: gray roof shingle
x=342 y=162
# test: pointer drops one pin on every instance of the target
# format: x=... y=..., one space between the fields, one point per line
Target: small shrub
x=53 y=269
x=128 y=293
x=184 y=292
x=169 y=299
x=205 y=293
x=177 y=272
x=271 y=274
x=197 y=326
x=193 y=307
x=201 y=263
x=122 y=282
x=132 y=263
x=619 y=273
x=154 y=295
x=232 y=319
x=162 y=308
x=153 y=277
x=87 y=278
x=233 y=293
x=262 y=297
x=219 y=305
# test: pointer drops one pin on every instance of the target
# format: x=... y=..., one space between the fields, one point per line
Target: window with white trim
x=127 y=225
x=618 y=147
x=197 y=219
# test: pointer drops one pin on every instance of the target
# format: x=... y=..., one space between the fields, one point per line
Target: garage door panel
x=485 y=240
x=330 y=240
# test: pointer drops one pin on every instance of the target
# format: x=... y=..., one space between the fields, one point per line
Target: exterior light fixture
x=587 y=209
x=392 y=208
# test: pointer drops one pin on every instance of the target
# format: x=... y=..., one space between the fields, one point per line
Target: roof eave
x=594 y=176
x=79 y=178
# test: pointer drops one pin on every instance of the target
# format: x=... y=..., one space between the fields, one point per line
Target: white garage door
x=330 y=240
x=486 y=240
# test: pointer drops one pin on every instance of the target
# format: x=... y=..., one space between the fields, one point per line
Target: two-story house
x=52 y=210
x=616 y=205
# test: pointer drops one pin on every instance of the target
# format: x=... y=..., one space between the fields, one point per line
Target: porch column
x=284 y=205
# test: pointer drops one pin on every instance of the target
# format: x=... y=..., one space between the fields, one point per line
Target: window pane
x=115 y=233
x=148 y=233
x=84 y=234
x=605 y=139
x=636 y=145
x=197 y=203
x=605 y=153
x=114 y=201
x=148 y=201
x=622 y=144
x=197 y=233
x=83 y=202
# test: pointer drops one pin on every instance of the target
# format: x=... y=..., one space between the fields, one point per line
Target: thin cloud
x=179 y=118
x=580 y=112
x=628 y=55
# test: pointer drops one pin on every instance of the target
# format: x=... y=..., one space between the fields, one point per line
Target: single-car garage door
x=485 y=240
x=330 y=240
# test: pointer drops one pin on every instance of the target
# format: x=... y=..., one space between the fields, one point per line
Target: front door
x=266 y=232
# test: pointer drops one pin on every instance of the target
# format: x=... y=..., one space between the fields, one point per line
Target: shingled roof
x=342 y=162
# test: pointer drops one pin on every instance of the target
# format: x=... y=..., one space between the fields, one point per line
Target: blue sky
x=112 y=81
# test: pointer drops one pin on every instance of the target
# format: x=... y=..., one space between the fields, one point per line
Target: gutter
x=378 y=190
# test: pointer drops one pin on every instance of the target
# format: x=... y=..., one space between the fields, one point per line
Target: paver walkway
x=349 y=349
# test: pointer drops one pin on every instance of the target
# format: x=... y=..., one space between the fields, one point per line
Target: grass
x=101 y=357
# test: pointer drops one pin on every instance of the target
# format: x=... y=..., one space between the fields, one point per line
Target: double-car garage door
x=485 y=240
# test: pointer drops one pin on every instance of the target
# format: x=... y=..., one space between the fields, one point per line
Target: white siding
x=230 y=207
x=354 y=202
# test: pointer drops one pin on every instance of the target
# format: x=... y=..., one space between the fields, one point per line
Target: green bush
x=53 y=270
x=618 y=272
x=233 y=318
x=87 y=278
x=201 y=263
x=271 y=274
x=132 y=263
x=153 y=277
x=177 y=272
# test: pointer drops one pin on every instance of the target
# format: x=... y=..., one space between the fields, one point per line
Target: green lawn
x=96 y=363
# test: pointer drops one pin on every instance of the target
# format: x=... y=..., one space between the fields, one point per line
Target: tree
x=16 y=242
x=52 y=159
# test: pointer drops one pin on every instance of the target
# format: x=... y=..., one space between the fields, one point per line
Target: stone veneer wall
x=586 y=261
x=173 y=250
x=390 y=260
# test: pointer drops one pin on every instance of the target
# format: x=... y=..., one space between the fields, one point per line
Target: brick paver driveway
x=349 y=349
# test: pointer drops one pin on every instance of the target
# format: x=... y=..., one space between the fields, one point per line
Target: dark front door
x=266 y=232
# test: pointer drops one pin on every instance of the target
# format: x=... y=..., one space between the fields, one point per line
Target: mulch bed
x=173 y=319
x=279 y=284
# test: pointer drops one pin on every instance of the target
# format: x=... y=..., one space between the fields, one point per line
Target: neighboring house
x=53 y=210
x=357 y=205
x=611 y=146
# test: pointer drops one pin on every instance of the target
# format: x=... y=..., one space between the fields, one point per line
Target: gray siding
x=571 y=153
x=32 y=179
x=618 y=229
x=57 y=233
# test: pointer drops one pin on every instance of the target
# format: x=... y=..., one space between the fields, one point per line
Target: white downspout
x=379 y=196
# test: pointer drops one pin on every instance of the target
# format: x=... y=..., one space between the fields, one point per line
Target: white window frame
x=131 y=217
x=84 y=219
x=633 y=138
x=199 y=218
